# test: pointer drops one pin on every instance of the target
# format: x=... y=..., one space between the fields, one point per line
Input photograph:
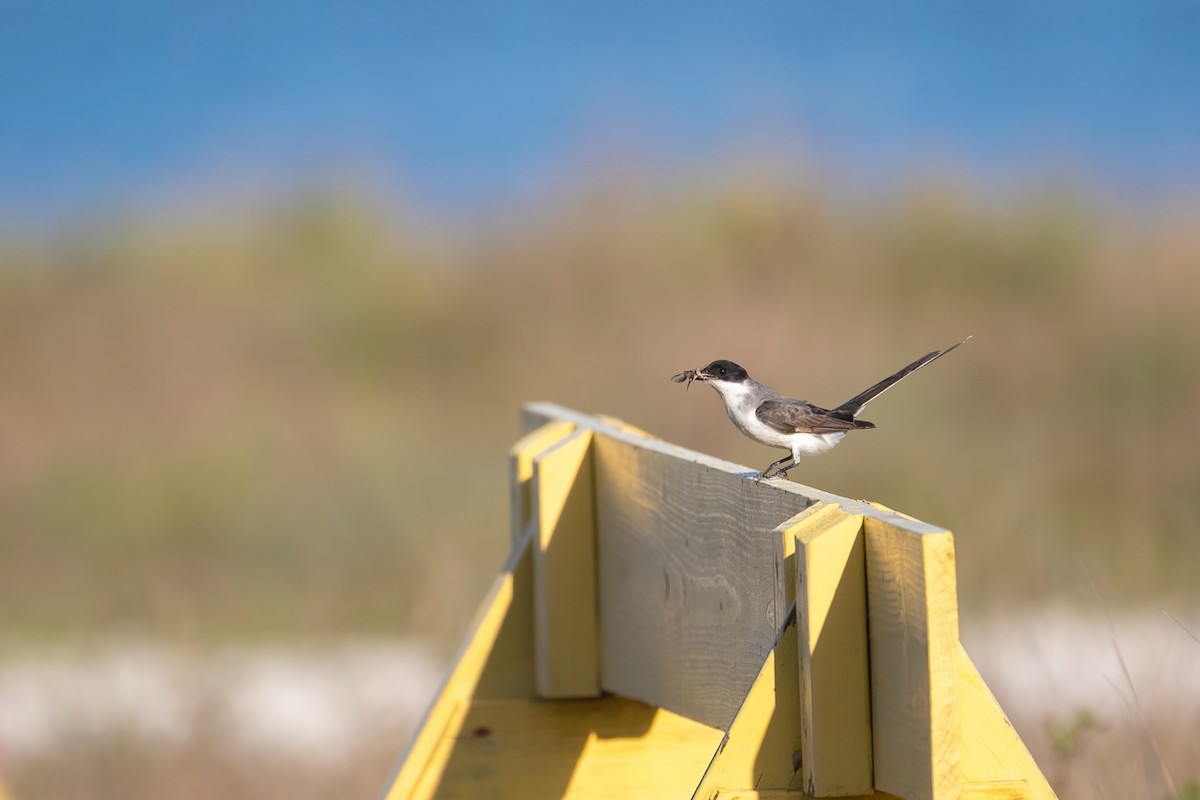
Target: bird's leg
x=783 y=471
x=775 y=468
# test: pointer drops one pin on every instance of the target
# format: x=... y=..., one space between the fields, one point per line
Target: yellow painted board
x=520 y=461
x=993 y=756
x=913 y=633
x=564 y=570
x=575 y=749
x=834 y=671
x=755 y=751
x=999 y=790
x=777 y=794
x=762 y=746
x=496 y=660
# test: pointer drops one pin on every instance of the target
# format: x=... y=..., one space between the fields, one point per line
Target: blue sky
x=113 y=104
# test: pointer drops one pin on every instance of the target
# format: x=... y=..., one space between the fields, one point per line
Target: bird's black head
x=723 y=370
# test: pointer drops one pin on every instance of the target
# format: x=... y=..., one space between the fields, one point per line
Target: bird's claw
x=771 y=472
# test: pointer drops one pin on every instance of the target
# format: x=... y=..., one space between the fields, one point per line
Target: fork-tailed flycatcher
x=772 y=419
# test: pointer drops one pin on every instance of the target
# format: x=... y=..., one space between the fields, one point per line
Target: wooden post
x=913 y=622
x=727 y=638
x=834 y=673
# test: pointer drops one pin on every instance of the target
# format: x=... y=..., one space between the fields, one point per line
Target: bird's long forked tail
x=857 y=403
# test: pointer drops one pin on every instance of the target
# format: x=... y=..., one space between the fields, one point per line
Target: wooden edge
x=785 y=537
x=785 y=540
x=832 y=656
x=534 y=415
x=423 y=760
x=913 y=632
x=633 y=430
x=566 y=628
x=1000 y=790
x=809 y=517
x=520 y=470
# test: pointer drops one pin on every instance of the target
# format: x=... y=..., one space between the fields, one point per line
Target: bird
x=773 y=419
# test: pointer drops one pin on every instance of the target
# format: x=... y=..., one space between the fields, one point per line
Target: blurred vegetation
x=292 y=420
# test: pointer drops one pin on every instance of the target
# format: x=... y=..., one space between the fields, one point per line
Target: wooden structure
x=668 y=628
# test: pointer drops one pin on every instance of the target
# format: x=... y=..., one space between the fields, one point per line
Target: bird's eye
x=722 y=371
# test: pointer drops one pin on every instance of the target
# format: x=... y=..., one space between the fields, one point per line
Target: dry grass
x=292 y=421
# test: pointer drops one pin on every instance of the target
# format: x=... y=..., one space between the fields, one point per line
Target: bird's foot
x=776 y=469
x=770 y=473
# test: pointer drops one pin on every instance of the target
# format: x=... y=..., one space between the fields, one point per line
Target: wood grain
x=691 y=591
x=913 y=624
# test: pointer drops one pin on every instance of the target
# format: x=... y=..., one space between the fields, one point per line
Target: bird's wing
x=797 y=416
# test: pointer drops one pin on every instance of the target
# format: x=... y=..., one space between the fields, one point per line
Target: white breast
x=741 y=404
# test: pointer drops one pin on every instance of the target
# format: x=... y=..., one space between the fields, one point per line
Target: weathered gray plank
x=691 y=601
x=534 y=415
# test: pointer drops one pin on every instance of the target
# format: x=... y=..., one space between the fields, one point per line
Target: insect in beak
x=688 y=375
